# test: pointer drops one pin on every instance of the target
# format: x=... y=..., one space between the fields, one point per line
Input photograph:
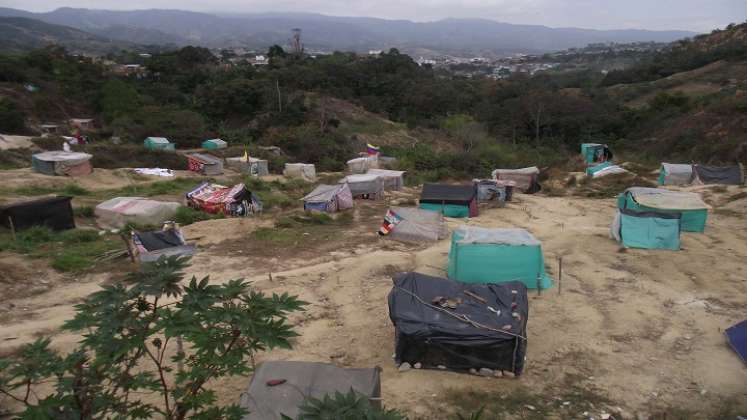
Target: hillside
x=336 y=33
x=23 y=34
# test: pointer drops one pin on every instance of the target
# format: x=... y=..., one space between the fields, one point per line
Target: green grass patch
x=84 y=211
x=73 y=190
x=274 y=235
x=187 y=215
x=178 y=186
x=68 y=251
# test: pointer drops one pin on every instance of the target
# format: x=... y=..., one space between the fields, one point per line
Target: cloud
x=699 y=15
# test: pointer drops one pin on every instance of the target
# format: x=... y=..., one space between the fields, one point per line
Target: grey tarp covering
x=676 y=174
x=658 y=198
x=209 y=165
x=416 y=225
x=303 y=380
x=728 y=175
x=120 y=211
x=251 y=166
x=507 y=236
x=371 y=186
x=393 y=180
x=361 y=165
x=305 y=171
x=59 y=162
x=489 y=190
x=329 y=198
x=150 y=246
x=525 y=178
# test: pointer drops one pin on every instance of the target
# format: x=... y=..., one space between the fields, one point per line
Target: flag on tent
x=371 y=149
x=245 y=158
x=391 y=219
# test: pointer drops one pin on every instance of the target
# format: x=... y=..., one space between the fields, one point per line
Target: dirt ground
x=642 y=328
x=14 y=142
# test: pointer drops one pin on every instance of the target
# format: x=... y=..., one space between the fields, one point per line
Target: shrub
x=85 y=211
x=187 y=215
x=11 y=117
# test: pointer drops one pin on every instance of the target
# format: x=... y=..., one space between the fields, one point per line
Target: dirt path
x=645 y=328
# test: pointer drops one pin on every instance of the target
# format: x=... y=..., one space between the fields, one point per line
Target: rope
x=461 y=317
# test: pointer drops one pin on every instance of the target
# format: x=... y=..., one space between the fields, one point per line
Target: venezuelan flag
x=371 y=149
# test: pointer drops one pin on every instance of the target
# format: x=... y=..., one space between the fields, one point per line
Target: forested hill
x=323 y=110
x=456 y=36
x=23 y=34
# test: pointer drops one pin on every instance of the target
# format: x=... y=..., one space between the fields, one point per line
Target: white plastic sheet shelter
x=250 y=166
x=409 y=224
x=365 y=186
x=676 y=174
x=329 y=198
x=305 y=171
x=609 y=170
x=393 y=180
x=361 y=165
x=120 y=211
x=525 y=178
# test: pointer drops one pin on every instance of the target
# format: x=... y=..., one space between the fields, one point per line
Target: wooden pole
x=539 y=285
x=12 y=228
x=560 y=274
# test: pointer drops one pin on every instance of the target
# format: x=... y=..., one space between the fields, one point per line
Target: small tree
x=132 y=346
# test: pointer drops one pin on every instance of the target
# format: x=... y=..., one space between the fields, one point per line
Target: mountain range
x=320 y=32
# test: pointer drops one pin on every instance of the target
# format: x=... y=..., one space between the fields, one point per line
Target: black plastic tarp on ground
x=55 y=213
x=159 y=239
x=302 y=380
x=729 y=175
x=472 y=335
x=448 y=194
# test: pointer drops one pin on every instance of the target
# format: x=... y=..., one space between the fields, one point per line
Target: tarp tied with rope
x=460 y=326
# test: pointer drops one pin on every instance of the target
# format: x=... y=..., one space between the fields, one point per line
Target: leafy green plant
x=151 y=334
x=349 y=406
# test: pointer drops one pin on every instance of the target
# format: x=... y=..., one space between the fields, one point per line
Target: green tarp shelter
x=450 y=200
x=214 y=144
x=482 y=255
x=694 y=211
x=158 y=143
x=647 y=229
x=595 y=152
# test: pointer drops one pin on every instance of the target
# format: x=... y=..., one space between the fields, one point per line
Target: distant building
x=374 y=52
x=82 y=124
x=259 y=60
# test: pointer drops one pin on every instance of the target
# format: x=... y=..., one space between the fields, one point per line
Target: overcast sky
x=696 y=15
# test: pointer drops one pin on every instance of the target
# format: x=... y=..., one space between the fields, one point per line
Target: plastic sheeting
x=525 y=178
x=213 y=144
x=231 y=201
x=647 y=230
x=150 y=246
x=603 y=169
x=408 y=224
x=302 y=380
x=305 y=171
x=121 y=211
x=737 y=337
x=489 y=190
x=204 y=164
x=727 y=175
x=365 y=186
x=482 y=255
x=470 y=335
x=62 y=163
x=449 y=194
x=393 y=180
x=251 y=166
x=329 y=198
x=675 y=174
x=55 y=213
x=694 y=211
x=362 y=165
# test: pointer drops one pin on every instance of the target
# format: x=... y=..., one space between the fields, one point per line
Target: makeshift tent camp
x=150 y=246
x=647 y=229
x=482 y=255
x=508 y=186
x=267 y=400
x=121 y=211
x=728 y=175
x=362 y=165
x=440 y=322
x=413 y=225
x=604 y=168
x=694 y=210
x=675 y=174
x=204 y=164
x=159 y=143
x=305 y=171
x=489 y=190
x=526 y=179
x=231 y=201
x=62 y=163
x=393 y=180
x=737 y=337
x=365 y=186
x=595 y=152
x=214 y=144
x=55 y=213
x=329 y=198
x=451 y=200
x=250 y=166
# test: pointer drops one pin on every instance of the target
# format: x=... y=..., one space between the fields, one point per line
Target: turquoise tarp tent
x=694 y=211
x=647 y=230
x=595 y=152
x=481 y=255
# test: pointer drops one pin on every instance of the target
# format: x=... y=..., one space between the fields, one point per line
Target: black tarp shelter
x=55 y=213
x=150 y=246
x=729 y=175
x=302 y=380
x=451 y=200
x=489 y=332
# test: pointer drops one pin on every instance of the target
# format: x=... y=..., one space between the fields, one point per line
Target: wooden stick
x=560 y=274
x=539 y=285
x=474 y=296
x=12 y=228
x=130 y=251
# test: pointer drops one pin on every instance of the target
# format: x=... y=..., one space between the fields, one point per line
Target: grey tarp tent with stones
x=526 y=178
x=393 y=180
x=365 y=186
x=329 y=198
x=266 y=399
x=408 y=224
x=726 y=175
x=62 y=163
x=676 y=174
